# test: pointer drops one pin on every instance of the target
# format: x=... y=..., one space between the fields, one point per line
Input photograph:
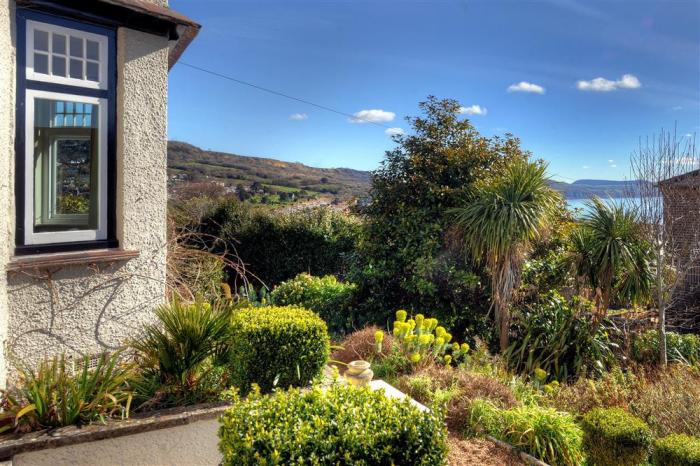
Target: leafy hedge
x=552 y=436
x=277 y=246
x=614 y=437
x=332 y=299
x=677 y=450
x=679 y=347
x=277 y=347
x=340 y=425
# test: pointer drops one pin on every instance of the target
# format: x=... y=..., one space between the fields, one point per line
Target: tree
x=655 y=161
x=404 y=256
x=610 y=254
x=499 y=226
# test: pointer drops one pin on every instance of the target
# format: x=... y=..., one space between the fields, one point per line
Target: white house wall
x=89 y=309
x=7 y=153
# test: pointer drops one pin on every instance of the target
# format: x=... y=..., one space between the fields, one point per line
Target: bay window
x=65 y=144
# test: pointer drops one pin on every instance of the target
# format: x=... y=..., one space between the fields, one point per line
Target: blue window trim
x=23 y=84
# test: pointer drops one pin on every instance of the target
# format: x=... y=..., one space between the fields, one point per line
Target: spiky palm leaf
x=501 y=223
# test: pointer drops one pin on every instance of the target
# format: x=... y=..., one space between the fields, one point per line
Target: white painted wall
x=82 y=309
x=7 y=138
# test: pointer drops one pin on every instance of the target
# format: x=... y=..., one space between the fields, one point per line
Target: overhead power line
x=279 y=94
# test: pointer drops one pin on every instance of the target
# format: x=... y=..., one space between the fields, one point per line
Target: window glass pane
x=92 y=50
x=76 y=46
x=65 y=166
x=92 y=71
x=59 y=44
x=76 y=68
x=41 y=40
x=41 y=63
x=58 y=66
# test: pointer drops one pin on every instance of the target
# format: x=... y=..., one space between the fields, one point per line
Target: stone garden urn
x=359 y=373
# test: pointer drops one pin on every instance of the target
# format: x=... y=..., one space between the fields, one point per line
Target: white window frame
x=32 y=238
x=67 y=80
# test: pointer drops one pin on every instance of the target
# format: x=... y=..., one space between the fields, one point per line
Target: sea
x=582 y=206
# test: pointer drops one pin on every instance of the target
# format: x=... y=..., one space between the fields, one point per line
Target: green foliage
x=178 y=351
x=679 y=347
x=57 y=394
x=339 y=425
x=73 y=204
x=677 y=450
x=405 y=256
x=330 y=298
x=608 y=252
x=559 y=337
x=277 y=347
x=613 y=437
x=552 y=436
x=500 y=225
x=277 y=247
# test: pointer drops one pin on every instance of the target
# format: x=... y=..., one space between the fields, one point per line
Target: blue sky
x=527 y=67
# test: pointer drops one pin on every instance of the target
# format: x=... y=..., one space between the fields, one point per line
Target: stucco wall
x=7 y=129
x=189 y=445
x=90 y=309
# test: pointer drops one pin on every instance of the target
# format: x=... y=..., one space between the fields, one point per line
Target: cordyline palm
x=611 y=255
x=499 y=226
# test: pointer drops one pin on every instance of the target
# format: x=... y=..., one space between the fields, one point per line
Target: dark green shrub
x=278 y=246
x=558 y=336
x=679 y=347
x=277 y=347
x=677 y=450
x=340 y=425
x=330 y=298
x=613 y=437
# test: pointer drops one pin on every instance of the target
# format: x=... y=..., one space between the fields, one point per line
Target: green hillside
x=189 y=163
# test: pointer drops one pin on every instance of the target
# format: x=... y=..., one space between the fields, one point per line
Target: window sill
x=44 y=261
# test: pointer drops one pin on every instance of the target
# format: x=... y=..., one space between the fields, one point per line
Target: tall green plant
x=610 y=254
x=186 y=342
x=499 y=226
x=558 y=337
x=56 y=394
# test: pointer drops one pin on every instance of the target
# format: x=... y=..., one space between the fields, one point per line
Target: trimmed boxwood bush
x=677 y=450
x=329 y=297
x=614 y=437
x=340 y=425
x=277 y=347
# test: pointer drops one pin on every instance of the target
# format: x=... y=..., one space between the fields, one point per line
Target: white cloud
x=298 y=116
x=585 y=167
x=689 y=135
x=372 y=116
x=611 y=161
x=393 y=131
x=524 y=86
x=627 y=81
x=613 y=166
x=473 y=110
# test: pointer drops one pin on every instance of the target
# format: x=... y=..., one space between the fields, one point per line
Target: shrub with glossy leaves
x=339 y=425
x=677 y=450
x=613 y=437
x=277 y=347
x=327 y=296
